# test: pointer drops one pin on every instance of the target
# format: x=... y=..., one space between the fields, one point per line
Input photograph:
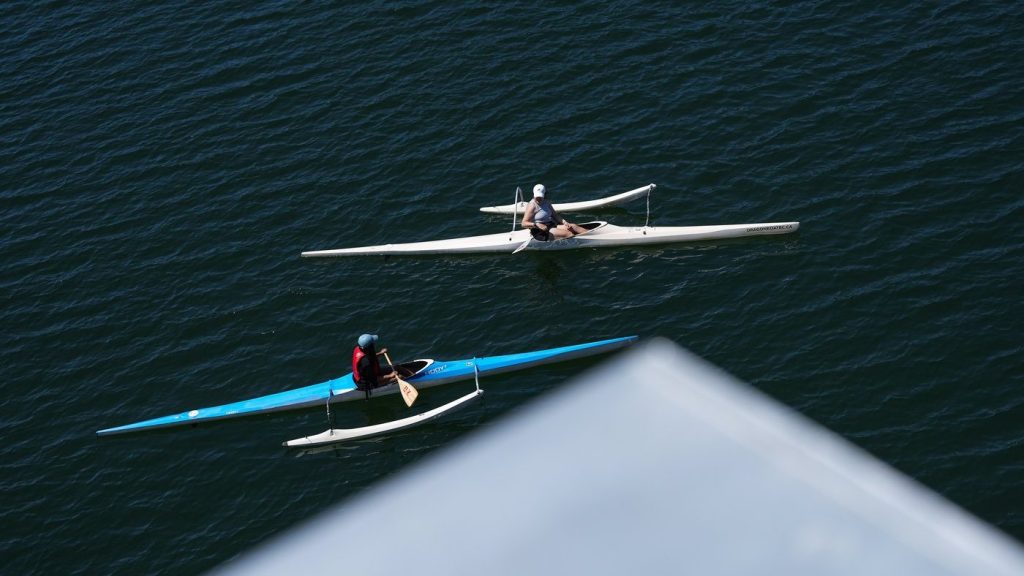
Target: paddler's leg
x=561 y=231
x=567 y=230
x=388 y=375
x=577 y=229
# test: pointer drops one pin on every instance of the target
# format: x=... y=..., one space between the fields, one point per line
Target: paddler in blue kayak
x=366 y=369
x=544 y=221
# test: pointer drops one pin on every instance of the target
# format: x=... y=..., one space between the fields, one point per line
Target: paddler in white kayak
x=544 y=222
x=366 y=368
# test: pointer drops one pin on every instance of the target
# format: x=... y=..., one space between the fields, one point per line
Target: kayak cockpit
x=588 y=226
x=412 y=368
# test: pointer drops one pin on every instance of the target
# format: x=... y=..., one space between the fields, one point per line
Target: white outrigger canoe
x=599 y=234
x=520 y=207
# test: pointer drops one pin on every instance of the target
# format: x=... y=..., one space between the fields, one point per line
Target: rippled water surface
x=161 y=167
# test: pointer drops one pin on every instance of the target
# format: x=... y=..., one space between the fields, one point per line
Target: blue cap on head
x=367 y=339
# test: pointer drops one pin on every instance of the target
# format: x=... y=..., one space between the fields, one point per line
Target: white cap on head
x=538 y=191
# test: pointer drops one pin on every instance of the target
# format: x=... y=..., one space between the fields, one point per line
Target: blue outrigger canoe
x=419 y=373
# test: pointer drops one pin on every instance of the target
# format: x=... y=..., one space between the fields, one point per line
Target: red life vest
x=357 y=355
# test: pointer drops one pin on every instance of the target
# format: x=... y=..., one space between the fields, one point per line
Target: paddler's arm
x=390 y=375
x=558 y=217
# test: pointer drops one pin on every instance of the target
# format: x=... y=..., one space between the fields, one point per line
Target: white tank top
x=544 y=213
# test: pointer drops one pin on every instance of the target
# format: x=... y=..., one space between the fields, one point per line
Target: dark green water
x=162 y=167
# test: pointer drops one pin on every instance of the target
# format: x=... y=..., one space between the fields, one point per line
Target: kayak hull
x=600 y=235
x=427 y=373
x=566 y=207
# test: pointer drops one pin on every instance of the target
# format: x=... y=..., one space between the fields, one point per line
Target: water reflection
x=548 y=272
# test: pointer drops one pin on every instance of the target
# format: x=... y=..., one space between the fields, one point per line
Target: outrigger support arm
x=515 y=207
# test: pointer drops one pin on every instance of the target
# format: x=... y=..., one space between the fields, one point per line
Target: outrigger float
x=566 y=207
